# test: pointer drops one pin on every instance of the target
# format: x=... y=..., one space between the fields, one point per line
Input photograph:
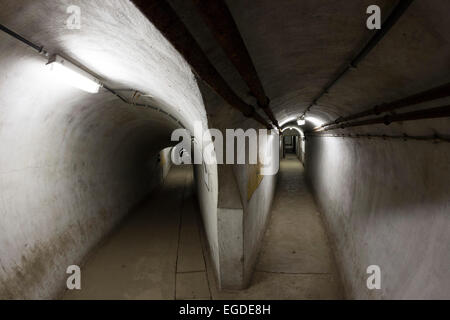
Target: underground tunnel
x=133 y=163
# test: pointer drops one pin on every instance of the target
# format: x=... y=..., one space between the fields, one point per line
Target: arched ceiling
x=116 y=43
x=299 y=46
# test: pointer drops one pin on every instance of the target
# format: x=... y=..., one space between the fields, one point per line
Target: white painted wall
x=256 y=212
x=72 y=164
x=208 y=198
x=386 y=203
x=165 y=161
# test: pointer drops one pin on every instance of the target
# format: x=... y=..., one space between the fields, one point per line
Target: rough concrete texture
x=164 y=256
x=231 y=248
x=295 y=252
x=73 y=164
x=295 y=260
x=152 y=255
x=305 y=43
x=230 y=220
x=256 y=217
x=165 y=162
x=242 y=215
x=386 y=203
x=139 y=260
x=297 y=47
x=256 y=209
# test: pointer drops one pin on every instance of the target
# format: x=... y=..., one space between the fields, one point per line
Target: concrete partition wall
x=230 y=227
x=257 y=192
x=165 y=162
x=206 y=178
x=68 y=175
x=386 y=203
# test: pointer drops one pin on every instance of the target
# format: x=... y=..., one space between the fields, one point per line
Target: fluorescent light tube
x=315 y=121
x=73 y=75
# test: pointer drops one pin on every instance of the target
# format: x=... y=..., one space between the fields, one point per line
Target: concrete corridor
x=159 y=252
x=95 y=95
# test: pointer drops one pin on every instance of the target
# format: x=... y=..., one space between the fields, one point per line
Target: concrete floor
x=159 y=251
x=296 y=261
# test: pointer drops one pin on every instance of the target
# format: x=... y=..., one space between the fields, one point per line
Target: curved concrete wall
x=244 y=206
x=297 y=48
x=386 y=203
x=72 y=164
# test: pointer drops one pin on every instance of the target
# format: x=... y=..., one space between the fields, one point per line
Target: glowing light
x=315 y=121
x=301 y=120
x=293 y=128
x=282 y=123
x=73 y=75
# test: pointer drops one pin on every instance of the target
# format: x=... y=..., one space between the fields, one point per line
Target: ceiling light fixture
x=73 y=75
x=301 y=121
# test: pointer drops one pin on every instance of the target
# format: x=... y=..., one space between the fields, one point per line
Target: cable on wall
x=42 y=51
x=39 y=49
x=436 y=138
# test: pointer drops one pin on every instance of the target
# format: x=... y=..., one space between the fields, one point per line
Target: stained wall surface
x=382 y=198
x=386 y=203
x=73 y=163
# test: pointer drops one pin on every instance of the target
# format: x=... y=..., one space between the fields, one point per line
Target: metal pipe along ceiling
x=425 y=96
x=218 y=18
x=161 y=14
x=433 y=113
x=391 y=20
